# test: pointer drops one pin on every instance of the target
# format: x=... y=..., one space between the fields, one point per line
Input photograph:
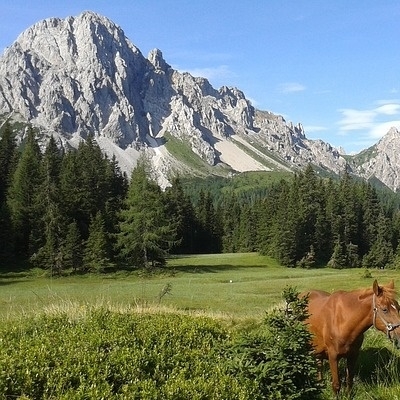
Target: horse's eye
x=385 y=310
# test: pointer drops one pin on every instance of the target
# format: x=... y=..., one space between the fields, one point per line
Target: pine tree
x=7 y=159
x=6 y=235
x=21 y=197
x=180 y=210
x=49 y=229
x=381 y=253
x=95 y=256
x=73 y=248
x=339 y=256
x=116 y=183
x=209 y=232
x=230 y=211
x=146 y=233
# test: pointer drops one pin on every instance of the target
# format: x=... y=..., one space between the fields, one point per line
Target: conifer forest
x=76 y=212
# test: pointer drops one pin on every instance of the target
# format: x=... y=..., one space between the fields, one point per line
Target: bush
x=110 y=355
x=279 y=356
x=164 y=356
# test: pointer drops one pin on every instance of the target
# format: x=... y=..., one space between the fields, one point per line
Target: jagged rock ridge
x=81 y=75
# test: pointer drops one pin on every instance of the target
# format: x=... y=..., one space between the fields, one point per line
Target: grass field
x=238 y=288
x=236 y=285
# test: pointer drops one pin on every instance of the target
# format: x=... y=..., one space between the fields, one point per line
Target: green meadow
x=235 y=285
x=234 y=289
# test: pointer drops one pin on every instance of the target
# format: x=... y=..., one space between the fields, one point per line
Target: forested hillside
x=77 y=212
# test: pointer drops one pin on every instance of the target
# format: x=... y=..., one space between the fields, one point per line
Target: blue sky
x=331 y=65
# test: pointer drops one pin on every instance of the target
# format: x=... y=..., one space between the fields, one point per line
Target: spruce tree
x=146 y=233
x=209 y=233
x=21 y=197
x=95 y=257
x=73 y=248
x=50 y=228
x=181 y=212
x=230 y=211
x=381 y=252
x=7 y=159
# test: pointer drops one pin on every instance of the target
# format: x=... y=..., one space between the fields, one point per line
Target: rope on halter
x=389 y=326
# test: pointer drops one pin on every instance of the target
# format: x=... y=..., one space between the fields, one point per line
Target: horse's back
x=316 y=300
x=319 y=319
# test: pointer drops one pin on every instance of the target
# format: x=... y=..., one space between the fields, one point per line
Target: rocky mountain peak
x=156 y=58
x=381 y=161
x=79 y=75
x=391 y=138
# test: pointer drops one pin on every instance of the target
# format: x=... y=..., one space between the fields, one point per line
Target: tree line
x=76 y=211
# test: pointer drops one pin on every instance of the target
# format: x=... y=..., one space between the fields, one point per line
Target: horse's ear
x=376 y=288
x=391 y=284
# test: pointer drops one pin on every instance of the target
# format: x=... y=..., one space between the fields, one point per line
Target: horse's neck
x=361 y=314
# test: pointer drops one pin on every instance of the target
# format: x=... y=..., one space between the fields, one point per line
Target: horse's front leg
x=320 y=369
x=334 y=367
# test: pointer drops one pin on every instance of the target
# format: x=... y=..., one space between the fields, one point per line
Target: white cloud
x=356 y=119
x=373 y=123
x=291 y=87
x=389 y=109
x=382 y=129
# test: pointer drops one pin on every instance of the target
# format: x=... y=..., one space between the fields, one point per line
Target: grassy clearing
x=234 y=285
x=234 y=288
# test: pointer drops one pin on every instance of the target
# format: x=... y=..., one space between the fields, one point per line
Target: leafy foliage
x=117 y=356
x=279 y=356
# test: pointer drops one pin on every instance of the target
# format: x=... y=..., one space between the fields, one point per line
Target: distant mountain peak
x=80 y=75
x=157 y=60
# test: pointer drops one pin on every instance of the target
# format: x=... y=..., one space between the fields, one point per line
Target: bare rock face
x=80 y=75
x=75 y=76
x=381 y=161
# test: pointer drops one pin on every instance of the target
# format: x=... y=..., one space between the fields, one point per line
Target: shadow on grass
x=10 y=282
x=201 y=269
x=379 y=365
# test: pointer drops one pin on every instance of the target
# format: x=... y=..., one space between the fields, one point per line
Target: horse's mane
x=388 y=292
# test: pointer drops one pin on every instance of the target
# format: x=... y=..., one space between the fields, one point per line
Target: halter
x=389 y=327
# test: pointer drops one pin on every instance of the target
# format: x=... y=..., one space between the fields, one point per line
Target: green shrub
x=108 y=355
x=117 y=356
x=278 y=357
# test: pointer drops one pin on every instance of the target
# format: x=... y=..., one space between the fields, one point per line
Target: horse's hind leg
x=350 y=370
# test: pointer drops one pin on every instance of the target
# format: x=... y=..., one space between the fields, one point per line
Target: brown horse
x=338 y=322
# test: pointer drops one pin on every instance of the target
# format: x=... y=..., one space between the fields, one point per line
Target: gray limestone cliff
x=80 y=75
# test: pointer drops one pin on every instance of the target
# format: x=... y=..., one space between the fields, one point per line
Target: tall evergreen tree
x=209 y=233
x=73 y=248
x=381 y=252
x=180 y=210
x=146 y=233
x=7 y=159
x=50 y=228
x=95 y=256
x=21 y=196
x=230 y=211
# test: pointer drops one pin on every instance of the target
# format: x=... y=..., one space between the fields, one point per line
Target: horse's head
x=386 y=311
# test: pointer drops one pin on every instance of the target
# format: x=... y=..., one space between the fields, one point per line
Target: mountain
x=81 y=75
x=381 y=161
